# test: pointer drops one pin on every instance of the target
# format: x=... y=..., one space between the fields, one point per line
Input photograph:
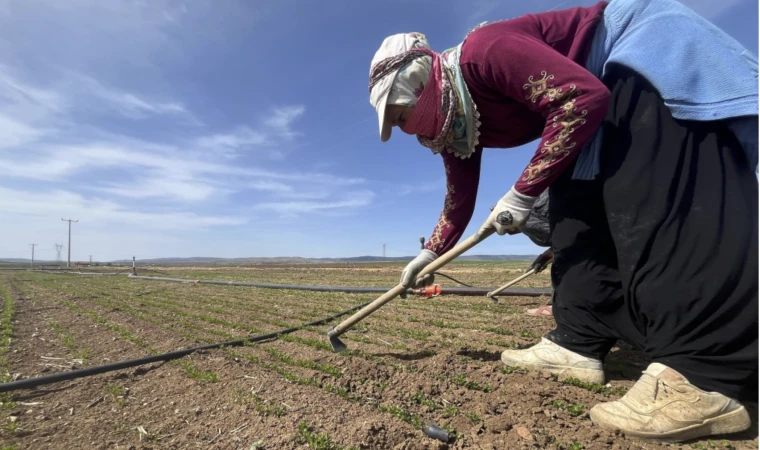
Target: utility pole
x=90 y=259
x=68 y=262
x=32 y=245
x=383 y=250
x=58 y=248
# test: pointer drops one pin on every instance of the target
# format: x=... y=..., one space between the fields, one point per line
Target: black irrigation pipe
x=73 y=374
x=518 y=292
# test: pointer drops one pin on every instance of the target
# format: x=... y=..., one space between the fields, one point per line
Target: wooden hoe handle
x=515 y=281
x=452 y=254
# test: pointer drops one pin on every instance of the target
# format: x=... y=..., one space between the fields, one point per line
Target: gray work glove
x=542 y=261
x=415 y=266
x=510 y=213
x=537 y=226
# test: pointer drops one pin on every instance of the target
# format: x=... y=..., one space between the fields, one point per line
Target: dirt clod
x=524 y=433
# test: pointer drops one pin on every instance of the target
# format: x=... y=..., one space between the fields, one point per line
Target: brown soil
x=414 y=362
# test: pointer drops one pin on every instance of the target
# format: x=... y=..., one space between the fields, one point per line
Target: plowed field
x=412 y=363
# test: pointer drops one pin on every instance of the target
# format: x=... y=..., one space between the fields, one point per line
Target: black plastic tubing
x=519 y=292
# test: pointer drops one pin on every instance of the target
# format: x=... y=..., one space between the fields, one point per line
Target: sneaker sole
x=563 y=372
x=733 y=422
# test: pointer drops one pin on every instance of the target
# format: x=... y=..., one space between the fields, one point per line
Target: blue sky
x=231 y=128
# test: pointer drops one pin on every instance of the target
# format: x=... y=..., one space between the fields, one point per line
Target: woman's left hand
x=510 y=212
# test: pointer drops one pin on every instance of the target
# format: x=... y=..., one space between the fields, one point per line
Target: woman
x=647 y=120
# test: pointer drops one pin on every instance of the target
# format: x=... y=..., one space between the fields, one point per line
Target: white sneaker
x=664 y=406
x=549 y=357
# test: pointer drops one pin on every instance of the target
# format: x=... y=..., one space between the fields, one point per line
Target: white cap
x=378 y=97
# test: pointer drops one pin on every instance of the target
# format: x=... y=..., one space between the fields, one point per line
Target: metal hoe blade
x=337 y=345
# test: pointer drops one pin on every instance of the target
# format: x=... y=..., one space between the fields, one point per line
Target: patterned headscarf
x=410 y=81
x=444 y=117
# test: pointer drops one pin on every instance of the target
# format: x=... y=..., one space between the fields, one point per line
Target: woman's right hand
x=409 y=275
x=542 y=261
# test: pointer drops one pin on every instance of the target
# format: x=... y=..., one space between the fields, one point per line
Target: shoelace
x=663 y=389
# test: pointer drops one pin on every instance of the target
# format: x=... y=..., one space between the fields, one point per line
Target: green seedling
x=461 y=380
x=512 y=369
x=321 y=441
x=421 y=399
x=6 y=401
x=12 y=427
x=450 y=411
x=402 y=414
x=596 y=388
x=115 y=389
x=326 y=368
x=441 y=324
x=198 y=374
x=420 y=335
x=574 y=409
x=527 y=334
x=501 y=331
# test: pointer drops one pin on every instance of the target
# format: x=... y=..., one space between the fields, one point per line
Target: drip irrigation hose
x=74 y=374
x=452 y=279
x=150 y=270
x=476 y=291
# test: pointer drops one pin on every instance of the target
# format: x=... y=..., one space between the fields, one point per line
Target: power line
x=58 y=248
x=32 y=245
x=68 y=262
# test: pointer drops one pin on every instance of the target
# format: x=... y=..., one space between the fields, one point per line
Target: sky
x=232 y=128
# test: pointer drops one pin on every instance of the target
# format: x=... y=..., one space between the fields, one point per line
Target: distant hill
x=203 y=260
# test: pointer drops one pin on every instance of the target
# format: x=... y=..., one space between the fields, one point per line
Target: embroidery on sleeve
x=566 y=117
x=436 y=239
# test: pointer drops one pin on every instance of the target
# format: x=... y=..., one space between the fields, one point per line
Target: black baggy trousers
x=661 y=249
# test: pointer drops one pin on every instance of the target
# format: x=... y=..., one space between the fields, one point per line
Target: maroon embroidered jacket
x=527 y=79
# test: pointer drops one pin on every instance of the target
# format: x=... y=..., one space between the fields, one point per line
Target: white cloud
x=161 y=187
x=53 y=203
x=298 y=208
x=286 y=191
x=238 y=141
x=282 y=118
x=271 y=186
x=243 y=136
x=127 y=104
x=14 y=133
x=17 y=91
x=430 y=186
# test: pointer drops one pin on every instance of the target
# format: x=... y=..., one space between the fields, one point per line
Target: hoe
x=333 y=333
